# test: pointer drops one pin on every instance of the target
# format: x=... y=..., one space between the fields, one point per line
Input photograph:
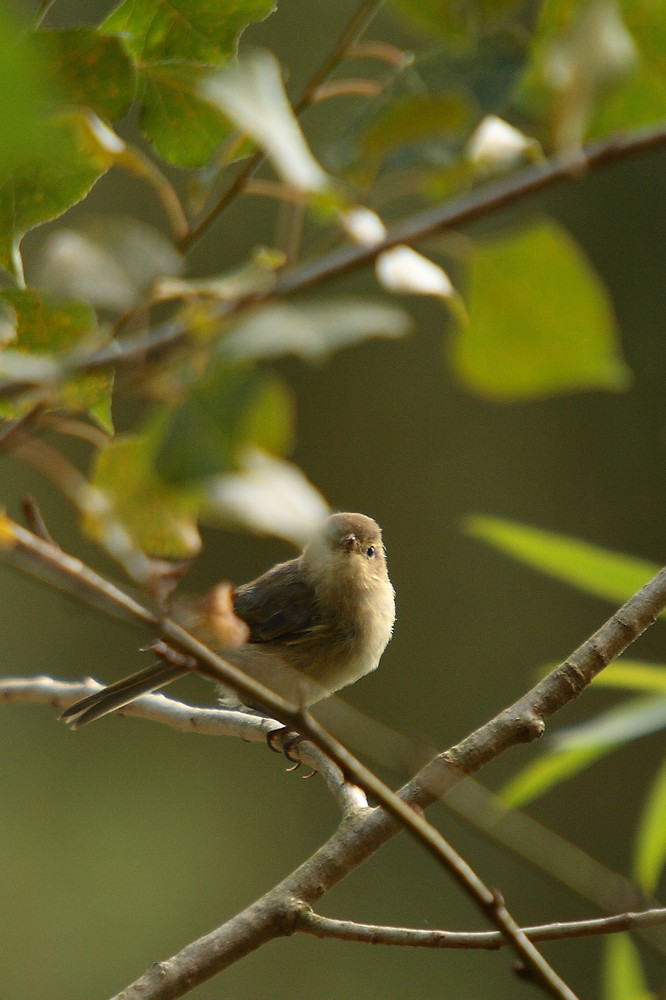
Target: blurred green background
x=123 y=842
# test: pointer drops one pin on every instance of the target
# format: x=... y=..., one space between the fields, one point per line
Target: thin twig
x=348 y=38
x=35 y=520
x=410 y=937
x=246 y=726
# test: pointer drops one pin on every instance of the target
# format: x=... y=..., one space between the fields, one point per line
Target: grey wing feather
x=279 y=606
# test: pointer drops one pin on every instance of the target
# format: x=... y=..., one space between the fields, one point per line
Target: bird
x=313 y=624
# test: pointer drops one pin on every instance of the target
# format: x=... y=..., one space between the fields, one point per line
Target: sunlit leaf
x=546 y=772
x=232 y=409
x=541 y=323
x=268 y=496
x=160 y=519
x=48 y=330
x=107 y=261
x=250 y=92
x=577 y=747
x=651 y=835
x=312 y=330
x=50 y=183
x=623 y=974
x=409 y=119
x=591 y=568
x=633 y=675
x=92 y=70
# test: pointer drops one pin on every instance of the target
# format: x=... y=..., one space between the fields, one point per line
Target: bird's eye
x=370 y=551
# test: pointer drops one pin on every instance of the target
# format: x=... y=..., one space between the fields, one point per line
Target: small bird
x=314 y=624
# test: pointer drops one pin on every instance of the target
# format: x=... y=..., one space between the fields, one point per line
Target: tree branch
x=409 y=937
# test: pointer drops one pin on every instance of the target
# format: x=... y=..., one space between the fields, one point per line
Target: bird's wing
x=279 y=606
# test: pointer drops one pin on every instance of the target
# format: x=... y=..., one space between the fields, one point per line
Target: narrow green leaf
x=633 y=675
x=92 y=70
x=595 y=570
x=160 y=519
x=540 y=321
x=650 y=854
x=577 y=747
x=50 y=329
x=547 y=771
x=623 y=975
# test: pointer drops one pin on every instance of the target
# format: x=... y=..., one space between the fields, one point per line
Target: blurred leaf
x=633 y=675
x=250 y=92
x=92 y=70
x=269 y=496
x=596 y=67
x=546 y=772
x=50 y=183
x=651 y=836
x=50 y=329
x=108 y=261
x=624 y=978
x=577 y=747
x=541 y=323
x=25 y=94
x=459 y=23
x=230 y=410
x=184 y=128
x=160 y=520
x=312 y=330
x=195 y=31
x=595 y=570
x=408 y=119
x=175 y=44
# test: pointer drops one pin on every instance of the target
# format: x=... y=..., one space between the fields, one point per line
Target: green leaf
x=50 y=329
x=459 y=23
x=25 y=94
x=196 y=31
x=651 y=836
x=312 y=330
x=184 y=128
x=232 y=409
x=174 y=43
x=546 y=772
x=160 y=520
x=577 y=747
x=49 y=183
x=92 y=70
x=633 y=675
x=541 y=323
x=595 y=570
x=624 y=978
